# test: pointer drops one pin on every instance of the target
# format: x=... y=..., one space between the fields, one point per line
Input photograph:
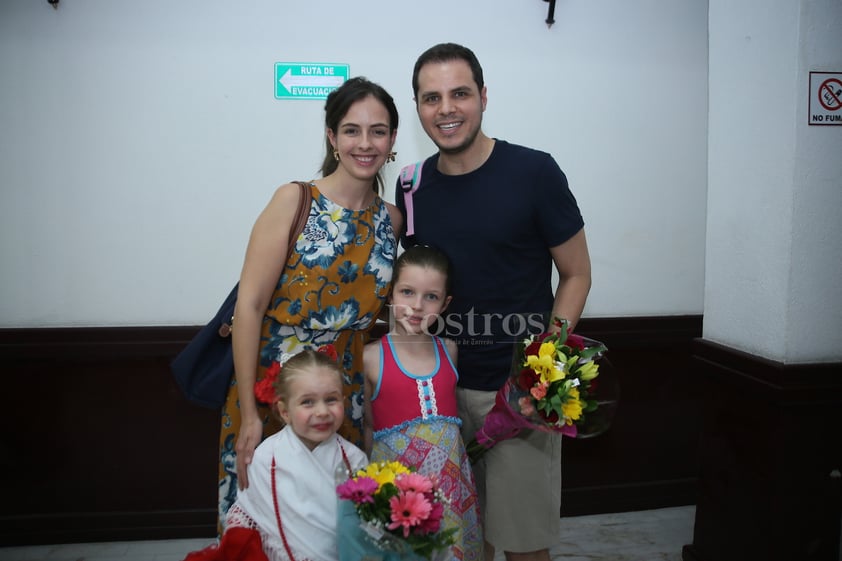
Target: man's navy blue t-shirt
x=496 y=224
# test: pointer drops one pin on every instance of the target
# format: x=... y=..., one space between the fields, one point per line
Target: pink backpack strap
x=410 y=178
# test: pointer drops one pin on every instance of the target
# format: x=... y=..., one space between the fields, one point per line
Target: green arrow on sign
x=308 y=80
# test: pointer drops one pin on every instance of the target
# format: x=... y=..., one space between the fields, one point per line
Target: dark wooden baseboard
x=628 y=497
x=76 y=527
x=100 y=444
x=770 y=485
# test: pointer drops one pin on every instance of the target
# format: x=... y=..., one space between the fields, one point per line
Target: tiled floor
x=650 y=535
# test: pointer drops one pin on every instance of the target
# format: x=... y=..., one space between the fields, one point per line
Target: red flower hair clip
x=264 y=389
x=330 y=351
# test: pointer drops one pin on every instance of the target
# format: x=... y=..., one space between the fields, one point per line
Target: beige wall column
x=770 y=360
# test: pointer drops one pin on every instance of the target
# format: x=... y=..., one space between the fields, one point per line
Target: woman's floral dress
x=332 y=288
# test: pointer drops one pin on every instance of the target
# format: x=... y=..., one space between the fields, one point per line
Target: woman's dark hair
x=427 y=257
x=339 y=101
x=445 y=52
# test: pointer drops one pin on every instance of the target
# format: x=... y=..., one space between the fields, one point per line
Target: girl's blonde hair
x=302 y=364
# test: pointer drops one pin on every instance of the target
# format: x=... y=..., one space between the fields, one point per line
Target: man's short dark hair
x=444 y=52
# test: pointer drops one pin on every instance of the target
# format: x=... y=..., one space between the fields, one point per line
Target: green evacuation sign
x=308 y=80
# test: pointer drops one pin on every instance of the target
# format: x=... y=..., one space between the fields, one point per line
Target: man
x=504 y=215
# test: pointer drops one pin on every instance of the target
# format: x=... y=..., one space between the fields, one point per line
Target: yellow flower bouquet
x=550 y=389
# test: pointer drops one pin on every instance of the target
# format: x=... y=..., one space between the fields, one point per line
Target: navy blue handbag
x=203 y=369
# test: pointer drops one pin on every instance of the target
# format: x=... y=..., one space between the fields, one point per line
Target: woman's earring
x=336 y=154
x=390 y=157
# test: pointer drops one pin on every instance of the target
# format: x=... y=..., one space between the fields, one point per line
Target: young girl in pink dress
x=410 y=390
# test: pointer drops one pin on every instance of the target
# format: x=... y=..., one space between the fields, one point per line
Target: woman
x=331 y=287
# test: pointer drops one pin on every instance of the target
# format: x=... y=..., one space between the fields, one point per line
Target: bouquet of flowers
x=400 y=510
x=550 y=389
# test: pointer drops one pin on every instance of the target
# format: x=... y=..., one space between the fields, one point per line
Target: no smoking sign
x=825 y=106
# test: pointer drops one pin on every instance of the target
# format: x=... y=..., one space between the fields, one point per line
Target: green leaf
x=590 y=352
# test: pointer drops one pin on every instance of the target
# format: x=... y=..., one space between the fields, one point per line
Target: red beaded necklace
x=275 y=498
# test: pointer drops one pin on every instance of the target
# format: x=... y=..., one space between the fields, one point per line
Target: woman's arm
x=265 y=257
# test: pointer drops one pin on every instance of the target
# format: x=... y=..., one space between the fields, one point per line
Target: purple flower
x=360 y=490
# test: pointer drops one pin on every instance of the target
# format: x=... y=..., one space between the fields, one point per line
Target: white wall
x=141 y=139
x=774 y=256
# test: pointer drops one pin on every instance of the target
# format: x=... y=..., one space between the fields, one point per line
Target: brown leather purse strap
x=301 y=215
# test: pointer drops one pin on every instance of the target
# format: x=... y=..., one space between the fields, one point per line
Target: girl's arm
x=371 y=370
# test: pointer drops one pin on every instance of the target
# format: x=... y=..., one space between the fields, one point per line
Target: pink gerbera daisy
x=360 y=490
x=408 y=509
x=414 y=482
